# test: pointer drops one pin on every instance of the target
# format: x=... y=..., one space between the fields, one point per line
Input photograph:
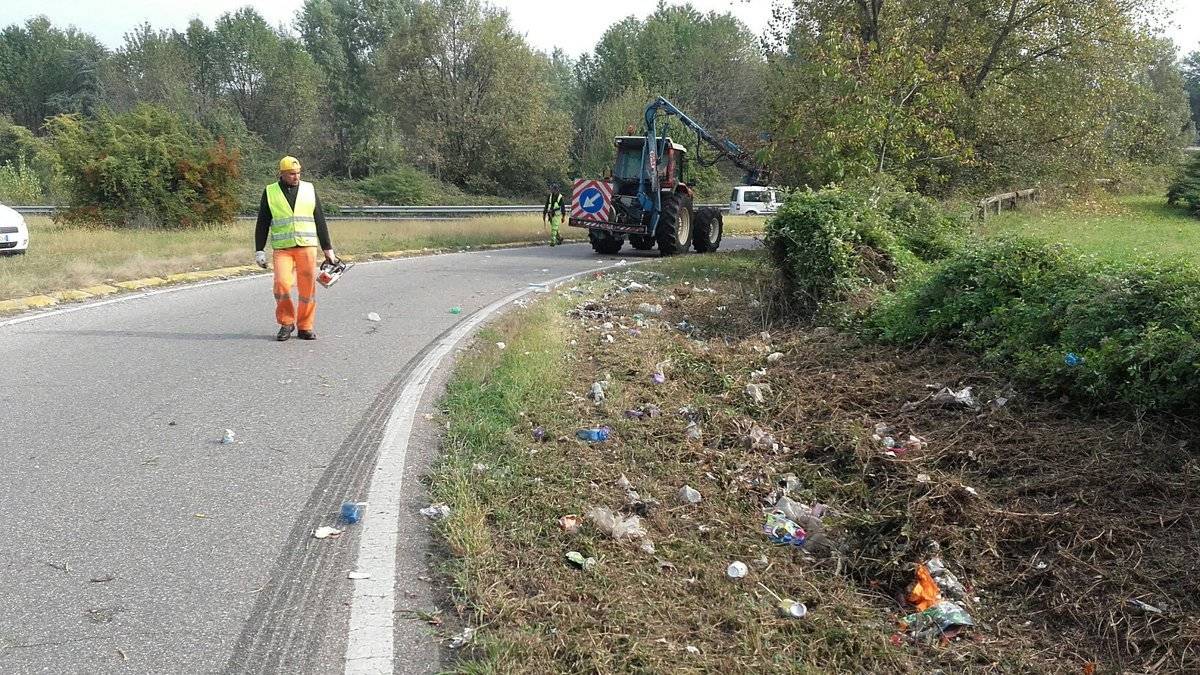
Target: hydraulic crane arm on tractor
x=648 y=199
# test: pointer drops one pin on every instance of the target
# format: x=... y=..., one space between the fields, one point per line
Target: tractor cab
x=629 y=163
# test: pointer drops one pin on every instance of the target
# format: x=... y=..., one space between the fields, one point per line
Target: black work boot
x=306 y=334
x=285 y=332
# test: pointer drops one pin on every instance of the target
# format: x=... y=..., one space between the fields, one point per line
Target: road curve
x=137 y=542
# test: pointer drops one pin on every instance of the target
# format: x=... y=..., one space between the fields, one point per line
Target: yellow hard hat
x=289 y=163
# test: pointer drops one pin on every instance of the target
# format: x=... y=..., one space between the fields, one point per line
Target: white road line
x=370 y=641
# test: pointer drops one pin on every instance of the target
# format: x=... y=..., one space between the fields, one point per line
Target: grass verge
x=1058 y=526
x=1115 y=228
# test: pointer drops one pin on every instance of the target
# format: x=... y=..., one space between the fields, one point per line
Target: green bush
x=404 y=186
x=145 y=168
x=828 y=244
x=1186 y=186
x=19 y=184
x=1025 y=305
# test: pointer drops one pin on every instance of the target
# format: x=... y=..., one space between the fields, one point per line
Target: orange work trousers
x=296 y=267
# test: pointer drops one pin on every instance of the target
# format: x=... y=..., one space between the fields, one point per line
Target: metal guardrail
x=391 y=212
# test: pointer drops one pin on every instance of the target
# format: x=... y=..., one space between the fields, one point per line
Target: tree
x=481 y=112
x=45 y=71
x=268 y=78
x=145 y=168
x=984 y=93
x=1191 y=78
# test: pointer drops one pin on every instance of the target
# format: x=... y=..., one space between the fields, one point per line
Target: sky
x=574 y=27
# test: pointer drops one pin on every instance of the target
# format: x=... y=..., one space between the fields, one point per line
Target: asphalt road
x=135 y=542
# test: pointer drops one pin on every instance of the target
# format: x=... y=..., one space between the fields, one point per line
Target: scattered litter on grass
x=1072 y=359
x=961 y=397
x=501 y=345
x=456 y=310
x=758 y=391
x=227 y=438
x=462 y=639
x=436 y=511
x=372 y=316
x=689 y=495
x=758 y=439
x=693 y=432
x=596 y=393
x=792 y=609
x=576 y=558
x=1143 y=606
x=570 y=523
x=325 y=532
x=634 y=286
x=692 y=649
x=615 y=525
x=783 y=530
x=479 y=468
x=647 y=547
x=736 y=570
x=774 y=357
x=539 y=434
x=939 y=620
x=658 y=378
x=594 y=434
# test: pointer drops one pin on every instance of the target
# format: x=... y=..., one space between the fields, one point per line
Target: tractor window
x=629 y=162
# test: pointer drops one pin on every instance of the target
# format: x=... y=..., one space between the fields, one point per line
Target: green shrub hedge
x=828 y=244
x=1061 y=321
x=1186 y=186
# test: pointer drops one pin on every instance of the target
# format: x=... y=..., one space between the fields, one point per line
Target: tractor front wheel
x=674 y=232
x=708 y=230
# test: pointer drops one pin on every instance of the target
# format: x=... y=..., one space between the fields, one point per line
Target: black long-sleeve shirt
x=263 y=227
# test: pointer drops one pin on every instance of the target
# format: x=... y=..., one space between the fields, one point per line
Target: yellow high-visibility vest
x=292 y=227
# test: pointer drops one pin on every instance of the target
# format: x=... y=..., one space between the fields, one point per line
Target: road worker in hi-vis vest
x=554 y=212
x=290 y=212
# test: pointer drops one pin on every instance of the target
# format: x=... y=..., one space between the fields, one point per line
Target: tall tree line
x=948 y=95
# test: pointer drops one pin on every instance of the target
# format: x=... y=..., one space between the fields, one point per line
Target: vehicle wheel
x=641 y=242
x=674 y=232
x=707 y=231
x=603 y=242
x=751 y=213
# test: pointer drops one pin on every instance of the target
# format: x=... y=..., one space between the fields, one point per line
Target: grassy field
x=1056 y=525
x=62 y=257
x=1119 y=228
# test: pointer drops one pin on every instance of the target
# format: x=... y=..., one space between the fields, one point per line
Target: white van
x=752 y=200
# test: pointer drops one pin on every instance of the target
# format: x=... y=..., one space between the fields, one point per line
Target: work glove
x=260 y=257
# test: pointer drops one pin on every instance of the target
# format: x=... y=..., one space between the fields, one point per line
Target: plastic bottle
x=593 y=435
x=352 y=512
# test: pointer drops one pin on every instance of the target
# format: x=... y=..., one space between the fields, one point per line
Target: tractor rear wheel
x=641 y=242
x=707 y=231
x=603 y=242
x=674 y=232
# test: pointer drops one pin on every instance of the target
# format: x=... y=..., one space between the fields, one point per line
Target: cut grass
x=1065 y=520
x=1118 y=228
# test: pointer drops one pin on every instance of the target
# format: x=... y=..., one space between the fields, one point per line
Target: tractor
x=646 y=197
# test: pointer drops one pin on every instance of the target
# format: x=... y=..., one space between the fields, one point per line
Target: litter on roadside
x=501 y=346
x=570 y=523
x=737 y=570
x=456 y=310
x=436 y=511
x=325 y=532
x=596 y=393
x=462 y=639
x=227 y=438
x=539 y=433
x=1143 y=606
x=615 y=525
x=758 y=391
x=961 y=397
x=693 y=432
x=372 y=316
x=576 y=558
x=352 y=512
x=783 y=530
x=689 y=495
x=941 y=619
x=358 y=575
x=758 y=439
x=774 y=357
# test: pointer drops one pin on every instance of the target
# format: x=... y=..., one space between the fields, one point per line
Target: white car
x=752 y=200
x=14 y=234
